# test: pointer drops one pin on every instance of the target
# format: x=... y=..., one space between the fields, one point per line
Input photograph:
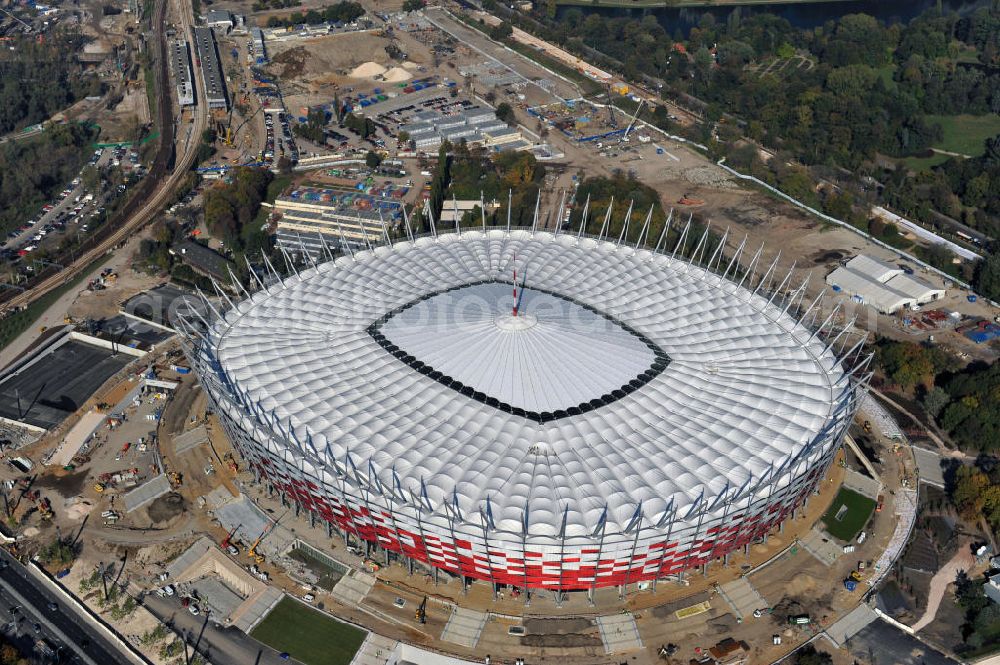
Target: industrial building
x=258 y=52
x=342 y=217
x=459 y=208
x=608 y=416
x=180 y=59
x=211 y=69
x=881 y=285
x=476 y=125
x=219 y=19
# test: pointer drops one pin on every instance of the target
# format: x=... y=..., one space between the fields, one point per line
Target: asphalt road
x=18 y=587
x=221 y=645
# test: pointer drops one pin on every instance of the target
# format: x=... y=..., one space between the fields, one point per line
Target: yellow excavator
x=252 y=552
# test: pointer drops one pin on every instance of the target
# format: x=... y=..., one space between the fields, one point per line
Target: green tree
x=935 y=400
x=372 y=159
x=987 y=277
x=808 y=655
x=505 y=112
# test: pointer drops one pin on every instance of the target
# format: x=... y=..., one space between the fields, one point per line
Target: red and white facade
x=635 y=416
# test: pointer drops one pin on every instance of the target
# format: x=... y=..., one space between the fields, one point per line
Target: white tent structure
x=886 y=287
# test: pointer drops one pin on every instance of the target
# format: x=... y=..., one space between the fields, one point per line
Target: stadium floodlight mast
x=334 y=471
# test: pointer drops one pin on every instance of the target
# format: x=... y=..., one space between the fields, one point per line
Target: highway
x=64 y=624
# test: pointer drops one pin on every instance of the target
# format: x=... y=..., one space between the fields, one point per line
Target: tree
x=808 y=655
x=372 y=159
x=935 y=400
x=501 y=32
x=505 y=112
x=987 y=277
x=412 y=5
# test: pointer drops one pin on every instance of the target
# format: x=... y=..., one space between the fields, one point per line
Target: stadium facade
x=536 y=410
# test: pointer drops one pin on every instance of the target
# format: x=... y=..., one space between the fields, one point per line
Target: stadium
x=533 y=409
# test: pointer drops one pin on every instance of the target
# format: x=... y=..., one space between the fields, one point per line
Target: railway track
x=152 y=196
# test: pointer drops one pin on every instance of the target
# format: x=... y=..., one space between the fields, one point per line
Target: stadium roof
x=631 y=379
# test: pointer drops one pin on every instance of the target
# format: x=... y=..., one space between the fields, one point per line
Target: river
x=803 y=15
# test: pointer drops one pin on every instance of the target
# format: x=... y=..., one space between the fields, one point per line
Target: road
x=223 y=646
x=163 y=192
x=65 y=623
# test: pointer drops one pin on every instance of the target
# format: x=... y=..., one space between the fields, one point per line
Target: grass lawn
x=925 y=163
x=859 y=509
x=965 y=134
x=308 y=635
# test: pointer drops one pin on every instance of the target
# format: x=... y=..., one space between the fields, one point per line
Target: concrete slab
x=146 y=493
x=851 y=624
x=862 y=484
x=243 y=513
x=464 y=627
x=619 y=633
x=352 y=589
x=929 y=466
x=821 y=546
x=256 y=608
x=188 y=440
x=742 y=597
x=375 y=650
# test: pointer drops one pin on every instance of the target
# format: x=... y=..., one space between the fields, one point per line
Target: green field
x=965 y=134
x=859 y=509
x=925 y=163
x=308 y=635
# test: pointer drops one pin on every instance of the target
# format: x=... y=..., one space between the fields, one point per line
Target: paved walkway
x=821 y=546
x=742 y=597
x=375 y=650
x=850 y=624
x=464 y=627
x=352 y=589
x=963 y=560
x=619 y=633
x=862 y=484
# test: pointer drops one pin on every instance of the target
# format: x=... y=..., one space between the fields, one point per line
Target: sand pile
x=397 y=75
x=411 y=65
x=76 y=509
x=367 y=70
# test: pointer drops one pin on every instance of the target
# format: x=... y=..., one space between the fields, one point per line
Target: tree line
x=40 y=78
x=842 y=96
x=342 y=12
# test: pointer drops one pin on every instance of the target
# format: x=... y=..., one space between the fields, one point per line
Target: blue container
x=971 y=298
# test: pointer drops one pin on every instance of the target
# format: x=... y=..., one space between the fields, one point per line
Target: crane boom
x=634 y=117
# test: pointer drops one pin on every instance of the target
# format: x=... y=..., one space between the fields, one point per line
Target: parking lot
x=74 y=211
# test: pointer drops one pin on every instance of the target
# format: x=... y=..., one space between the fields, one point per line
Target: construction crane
x=421 y=613
x=612 y=120
x=631 y=124
x=227 y=541
x=252 y=552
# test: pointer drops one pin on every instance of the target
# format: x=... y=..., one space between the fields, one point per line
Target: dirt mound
x=292 y=62
x=397 y=75
x=367 y=70
x=167 y=507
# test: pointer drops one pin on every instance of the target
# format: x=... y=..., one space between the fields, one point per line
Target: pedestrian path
x=742 y=597
x=352 y=589
x=619 y=633
x=464 y=627
x=375 y=650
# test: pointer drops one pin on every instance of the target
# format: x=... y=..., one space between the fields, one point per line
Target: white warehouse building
x=884 y=286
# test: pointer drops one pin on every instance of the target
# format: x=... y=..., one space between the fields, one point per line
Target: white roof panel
x=353 y=352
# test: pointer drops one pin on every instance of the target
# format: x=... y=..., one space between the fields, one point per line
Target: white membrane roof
x=554 y=354
x=348 y=353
